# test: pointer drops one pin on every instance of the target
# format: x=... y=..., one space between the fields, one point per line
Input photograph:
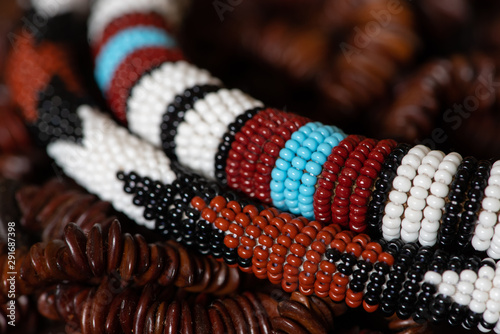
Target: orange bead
x=289 y=286
x=298 y=223
x=306 y=279
x=235 y=206
x=253 y=231
x=313 y=256
x=279 y=249
x=362 y=239
x=345 y=236
x=265 y=241
x=338 y=244
x=310 y=231
x=298 y=250
x=244 y=252
x=251 y=210
x=321 y=294
x=318 y=246
x=236 y=229
x=318 y=287
x=260 y=253
x=275 y=279
x=274 y=268
x=324 y=237
x=327 y=267
x=221 y=223
x=272 y=231
x=218 y=203
x=354 y=248
x=369 y=255
x=294 y=260
x=352 y=304
x=228 y=214
x=306 y=291
x=336 y=297
x=355 y=296
x=286 y=217
x=260 y=221
x=275 y=258
x=303 y=239
x=242 y=219
x=375 y=246
x=274 y=211
x=209 y=215
x=369 y=308
x=310 y=267
x=340 y=279
x=338 y=290
x=291 y=270
x=316 y=225
x=260 y=273
x=230 y=241
x=284 y=240
x=267 y=213
x=290 y=230
x=198 y=203
x=323 y=278
x=386 y=258
x=248 y=242
x=278 y=223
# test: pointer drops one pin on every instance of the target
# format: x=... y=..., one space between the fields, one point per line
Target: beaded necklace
x=356 y=178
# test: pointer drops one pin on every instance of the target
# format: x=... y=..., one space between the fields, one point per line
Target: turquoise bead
x=294 y=174
x=276 y=186
x=304 y=153
x=292 y=145
x=278 y=175
x=291 y=184
x=313 y=167
x=275 y=196
x=308 y=179
x=304 y=199
x=299 y=163
x=286 y=154
x=299 y=136
x=290 y=194
x=319 y=158
x=282 y=164
x=317 y=136
x=311 y=144
x=306 y=190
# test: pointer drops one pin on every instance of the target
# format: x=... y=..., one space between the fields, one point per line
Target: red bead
x=298 y=249
x=230 y=241
x=236 y=229
x=294 y=260
x=221 y=223
x=266 y=241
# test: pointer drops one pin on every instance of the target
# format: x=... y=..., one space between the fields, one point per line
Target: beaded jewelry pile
x=302 y=192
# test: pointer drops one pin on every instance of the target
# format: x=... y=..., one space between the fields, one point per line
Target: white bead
x=432 y=277
x=465 y=287
x=422 y=181
x=427 y=170
x=448 y=166
x=491 y=204
x=462 y=299
x=391 y=223
x=468 y=276
x=412 y=160
x=393 y=210
x=401 y=183
x=406 y=171
x=496 y=281
x=480 y=296
x=425 y=242
x=476 y=306
x=409 y=236
x=446 y=289
x=420 y=150
x=454 y=157
x=480 y=245
x=432 y=214
x=493 y=254
x=413 y=215
x=398 y=197
x=443 y=176
x=486 y=272
x=428 y=236
x=483 y=232
x=419 y=192
x=492 y=191
x=449 y=276
x=416 y=203
x=495 y=294
x=487 y=219
x=430 y=226
x=435 y=202
x=410 y=226
x=493 y=306
x=491 y=316
x=494 y=180
x=439 y=189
